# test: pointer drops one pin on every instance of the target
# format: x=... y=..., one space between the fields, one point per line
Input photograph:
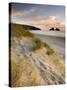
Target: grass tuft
x=37 y=43
x=49 y=49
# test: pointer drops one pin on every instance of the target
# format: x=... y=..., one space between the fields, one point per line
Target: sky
x=39 y=15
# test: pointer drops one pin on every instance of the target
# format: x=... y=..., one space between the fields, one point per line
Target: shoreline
x=57 y=43
x=52 y=36
x=59 y=34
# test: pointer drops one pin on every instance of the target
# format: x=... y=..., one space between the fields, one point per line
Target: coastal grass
x=23 y=72
x=37 y=43
x=14 y=73
x=49 y=49
x=18 y=30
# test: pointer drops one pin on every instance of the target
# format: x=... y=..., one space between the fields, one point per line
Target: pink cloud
x=48 y=22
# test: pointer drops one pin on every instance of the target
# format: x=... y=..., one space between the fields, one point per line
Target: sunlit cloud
x=48 y=22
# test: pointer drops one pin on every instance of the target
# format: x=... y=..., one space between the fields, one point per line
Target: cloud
x=43 y=22
x=23 y=13
x=48 y=22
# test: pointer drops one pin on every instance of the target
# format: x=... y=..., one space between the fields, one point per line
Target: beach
x=56 y=39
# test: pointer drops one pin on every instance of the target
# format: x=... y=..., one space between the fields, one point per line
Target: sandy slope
x=34 y=67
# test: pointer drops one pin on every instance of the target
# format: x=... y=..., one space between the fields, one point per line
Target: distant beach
x=49 y=33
